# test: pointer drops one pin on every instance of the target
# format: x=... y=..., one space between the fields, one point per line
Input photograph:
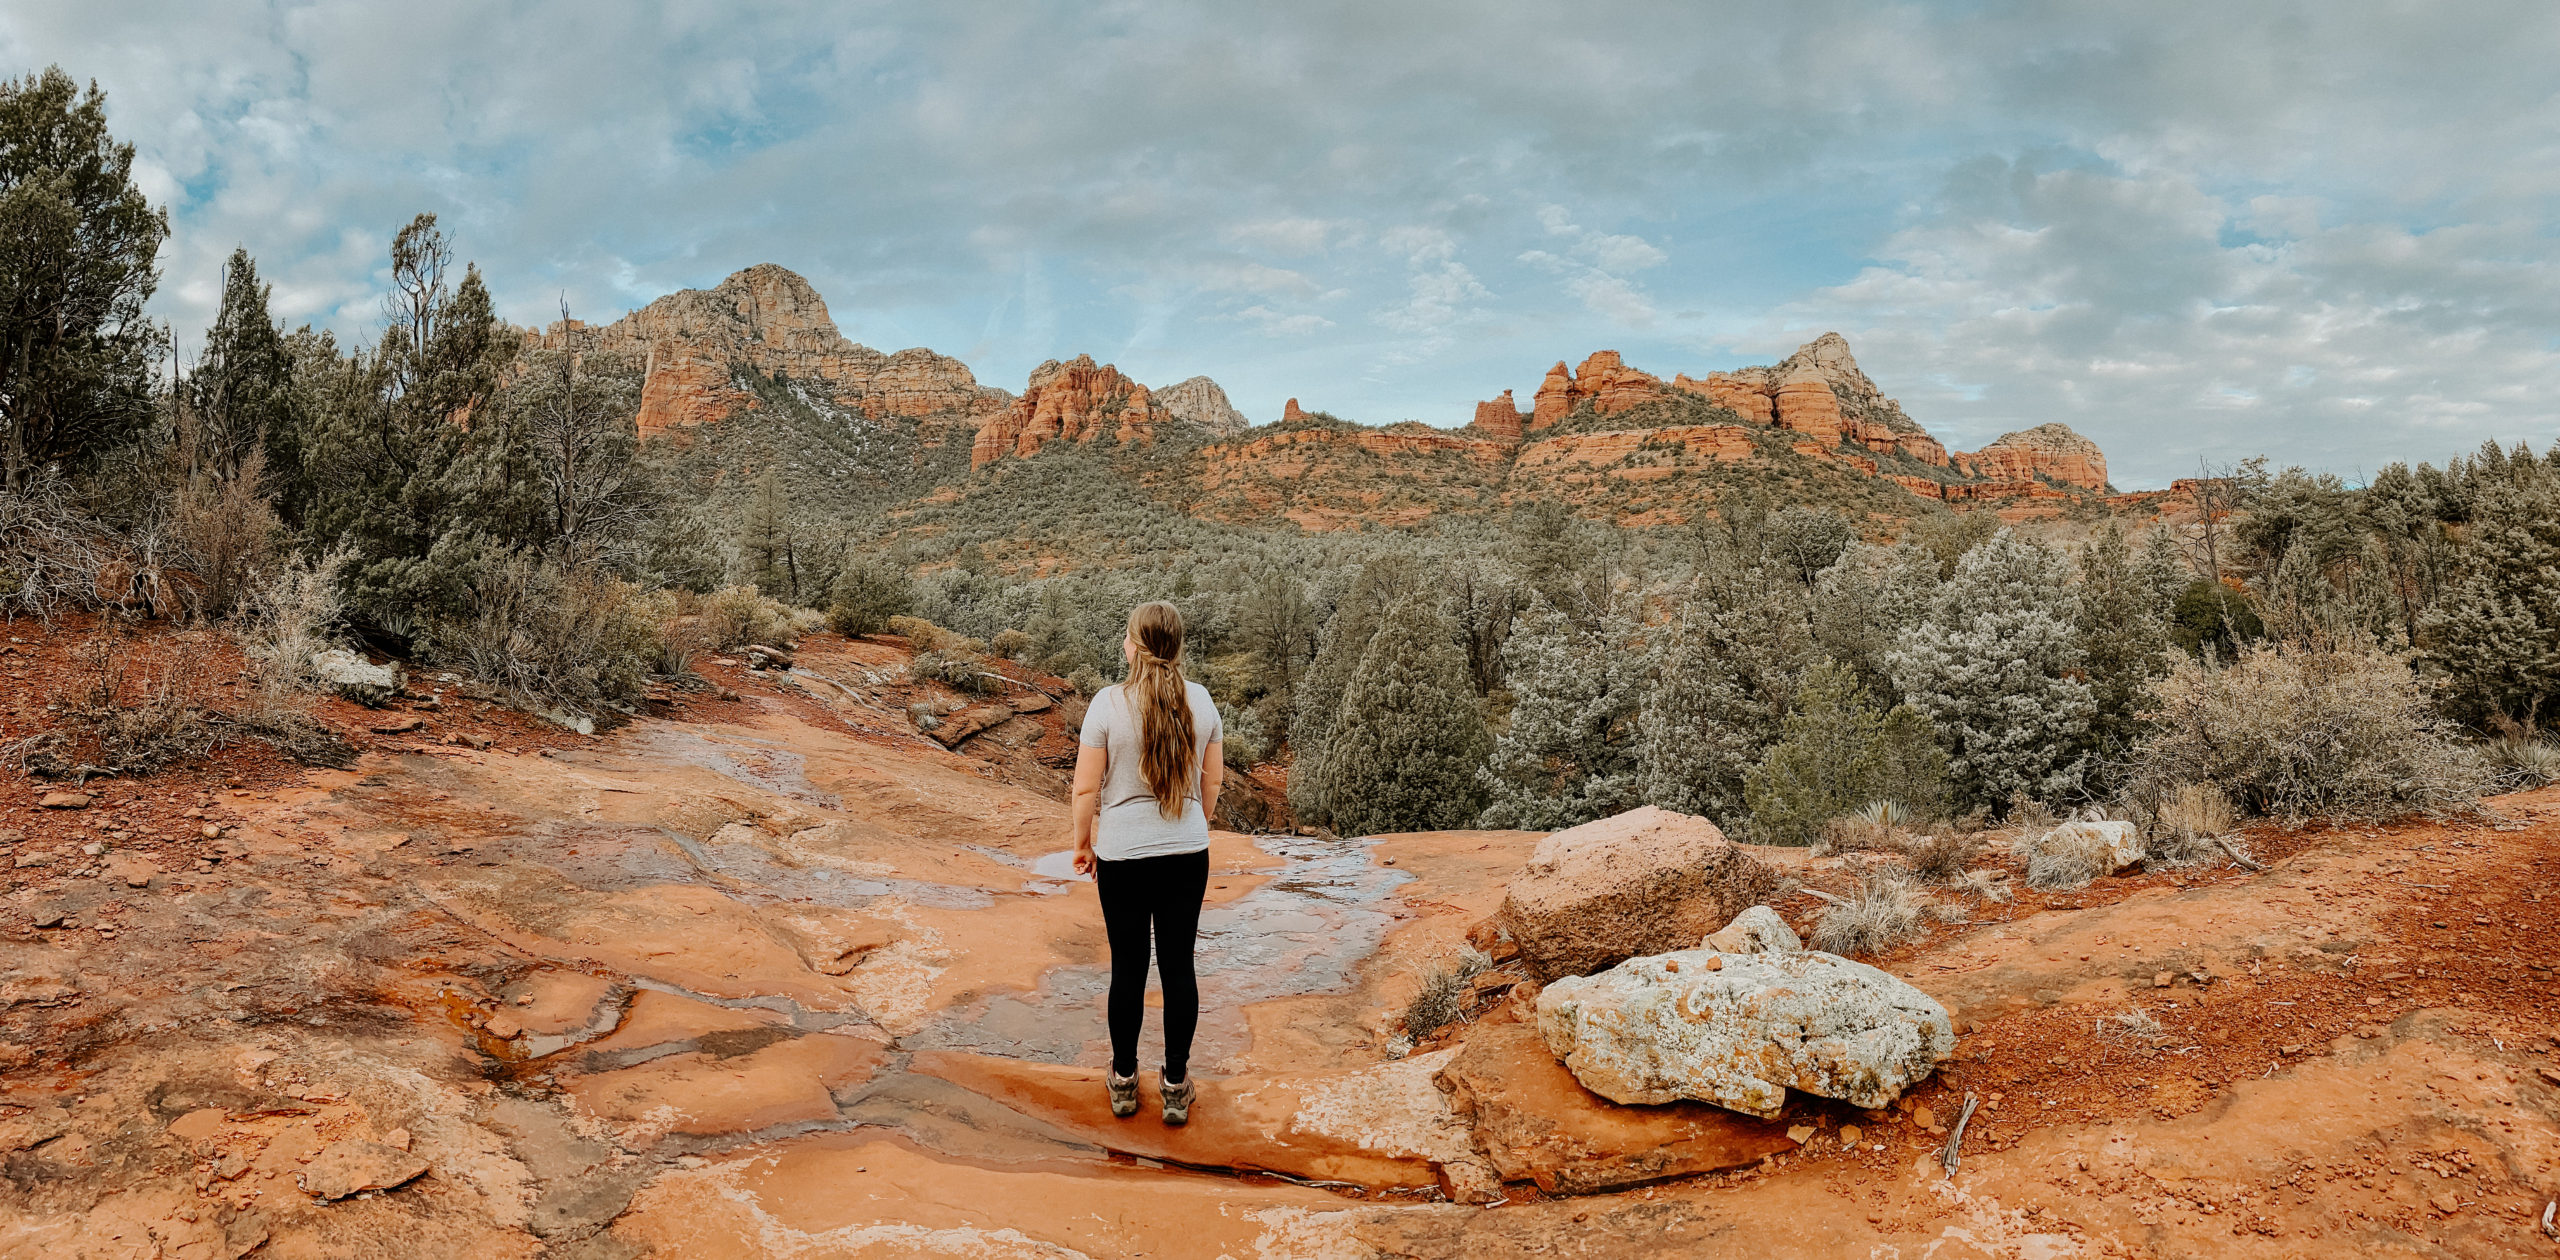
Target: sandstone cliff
x=1603 y=380
x=1500 y=418
x=768 y=320
x=1820 y=391
x=2050 y=452
x=1200 y=401
x=1076 y=401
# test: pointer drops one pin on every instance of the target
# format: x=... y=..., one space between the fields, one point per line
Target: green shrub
x=735 y=616
x=868 y=595
x=554 y=637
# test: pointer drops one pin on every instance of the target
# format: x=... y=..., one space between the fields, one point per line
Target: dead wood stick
x=1955 y=1140
x=2238 y=858
x=1816 y=892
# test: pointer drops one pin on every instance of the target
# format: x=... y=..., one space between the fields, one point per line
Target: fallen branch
x=2239 y=859
x=1816 y=892
x=1954 y=1154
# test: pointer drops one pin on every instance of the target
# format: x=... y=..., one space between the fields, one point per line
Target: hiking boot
x=1124 y=1093
x=1177 y=1103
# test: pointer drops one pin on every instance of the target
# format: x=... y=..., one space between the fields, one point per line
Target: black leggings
x=1163 y=894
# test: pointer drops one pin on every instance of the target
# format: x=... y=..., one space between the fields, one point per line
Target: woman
x=1147 y=774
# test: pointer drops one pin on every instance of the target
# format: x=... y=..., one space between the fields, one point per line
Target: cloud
x=2321 y=228
x=2175 y=325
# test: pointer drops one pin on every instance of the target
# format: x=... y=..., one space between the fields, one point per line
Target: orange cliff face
x=767 y=319
x=1076 y=401
x=1604 y=381
x=1820 y=391
x=2049 y=452
x=1500 y=419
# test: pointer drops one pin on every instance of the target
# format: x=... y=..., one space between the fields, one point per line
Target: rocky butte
x=766 y=319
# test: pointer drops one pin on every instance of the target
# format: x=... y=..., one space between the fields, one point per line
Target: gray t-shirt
x=1130 y=825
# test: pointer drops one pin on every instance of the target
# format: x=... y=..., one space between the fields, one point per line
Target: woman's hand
x=1084 y=857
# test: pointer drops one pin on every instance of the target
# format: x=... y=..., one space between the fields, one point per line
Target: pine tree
x=1994 y=670
x=1570 y=752
x=1407 y=739
x=77 y=244
x=1838 y=754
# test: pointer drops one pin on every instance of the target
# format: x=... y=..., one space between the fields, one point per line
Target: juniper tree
x=1837 y=754
x=1802 y=542
x=2123 y=627
x=241 y=393
x=1994 y=669
x=1723 y=674
x=1569 y=754
x=1862 y=603
x=392 y=461
x=1407 y=739
x=1344 y=644
x=2495 y=636
x=77 y=245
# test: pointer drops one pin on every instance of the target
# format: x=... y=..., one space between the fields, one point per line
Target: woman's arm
x=1213 y=771
x=1085 y=809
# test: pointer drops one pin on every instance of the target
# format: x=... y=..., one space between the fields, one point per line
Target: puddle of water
x=1305 y=930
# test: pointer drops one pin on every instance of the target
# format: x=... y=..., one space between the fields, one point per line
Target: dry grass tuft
x=2192 y=825
x=1442 y=1000
x=1883 y=913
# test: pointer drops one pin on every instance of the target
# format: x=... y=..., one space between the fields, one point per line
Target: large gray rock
x=1740 y=1030
x=1757 y=930
x=355 y=678
x=1641 y=882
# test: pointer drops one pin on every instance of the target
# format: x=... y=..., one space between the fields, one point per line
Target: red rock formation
x=1073 y=402
x=1725 y=443
x=1290 y=414
x=2049 y=452
x=1819 y=391
x=1500 y=418
x=1604 y=381
x=769 y=320
x=1738 y=394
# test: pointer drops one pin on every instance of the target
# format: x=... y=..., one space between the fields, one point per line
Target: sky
x=2325 y=231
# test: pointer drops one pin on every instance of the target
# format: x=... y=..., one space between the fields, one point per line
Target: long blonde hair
x=1155 y=692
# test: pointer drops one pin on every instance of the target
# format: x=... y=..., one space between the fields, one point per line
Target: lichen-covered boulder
x=1757 y=930
x=1640 y=882
x=1740 y=1030
x=356 y=678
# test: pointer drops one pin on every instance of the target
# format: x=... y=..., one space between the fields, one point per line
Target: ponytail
x=1155 y=691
